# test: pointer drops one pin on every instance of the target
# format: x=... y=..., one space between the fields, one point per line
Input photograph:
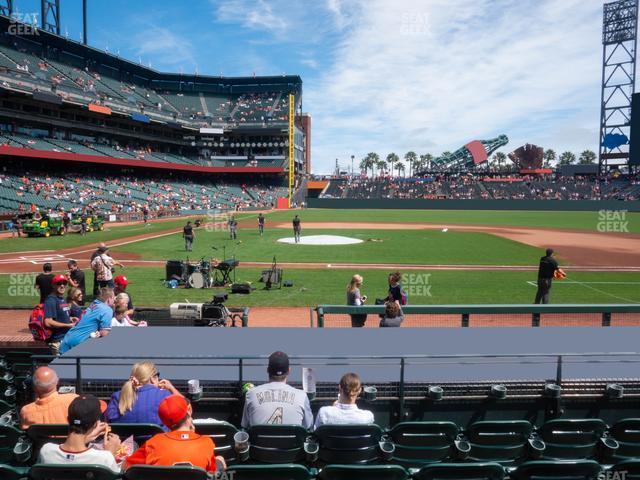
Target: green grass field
x=327 y=285
x=312 y=287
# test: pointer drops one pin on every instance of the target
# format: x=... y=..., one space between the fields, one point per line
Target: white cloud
x=430 y=76
x=254 y=14
x=167 y=49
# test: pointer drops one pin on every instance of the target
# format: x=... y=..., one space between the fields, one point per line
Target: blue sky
x=383 y=75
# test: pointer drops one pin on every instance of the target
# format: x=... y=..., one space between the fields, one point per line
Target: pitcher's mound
x=322 y=240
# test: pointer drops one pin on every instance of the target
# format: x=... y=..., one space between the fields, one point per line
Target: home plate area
x=322 y=240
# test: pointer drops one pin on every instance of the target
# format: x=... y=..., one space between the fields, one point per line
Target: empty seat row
x=536 y=470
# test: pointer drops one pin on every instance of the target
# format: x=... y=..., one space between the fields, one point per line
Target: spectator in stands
x=103 y=264
x=49 y=406
x=56 y=314
x=75 y=300
x=84 y=428
x=180 y=444
x=393 y=316
x=345 y=410
x=96 y=321
x=76 y=277
x=276 y=402
x=43 y=281
x=121 y=283
x=355 y=298
x=140 y=397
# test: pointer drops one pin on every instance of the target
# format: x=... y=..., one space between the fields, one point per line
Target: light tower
x=619 y=32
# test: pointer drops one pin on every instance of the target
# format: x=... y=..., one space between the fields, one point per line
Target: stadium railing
x=518 y=315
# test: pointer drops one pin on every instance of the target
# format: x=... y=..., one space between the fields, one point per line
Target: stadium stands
x=456 y=186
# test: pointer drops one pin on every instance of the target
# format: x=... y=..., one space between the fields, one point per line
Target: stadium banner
x=422 y=204
x=139 y=117
x=47 y=97
x=211 y=131
x=99 y=109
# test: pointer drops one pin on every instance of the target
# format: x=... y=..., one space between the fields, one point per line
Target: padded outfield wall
x=421 y=204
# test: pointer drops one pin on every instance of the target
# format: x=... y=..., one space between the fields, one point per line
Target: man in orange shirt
x=179 y=445
x=50 y=406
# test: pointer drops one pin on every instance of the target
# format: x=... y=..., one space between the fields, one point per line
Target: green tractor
x=94 y=222
x=43 y=226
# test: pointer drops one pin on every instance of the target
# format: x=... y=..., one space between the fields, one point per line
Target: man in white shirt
x=345 y=411
x=84 y=427
x=277 y=403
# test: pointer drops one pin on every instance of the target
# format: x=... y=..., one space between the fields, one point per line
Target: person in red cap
x=180 y=444
x=56 y=314
x=121 y=283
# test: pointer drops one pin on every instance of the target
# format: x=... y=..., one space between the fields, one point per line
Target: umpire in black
x=546 y=271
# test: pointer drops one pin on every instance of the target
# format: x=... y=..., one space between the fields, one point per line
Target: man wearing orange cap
x=180 y=444
x=56 y=314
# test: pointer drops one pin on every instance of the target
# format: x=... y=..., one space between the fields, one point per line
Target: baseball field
x=446 y=257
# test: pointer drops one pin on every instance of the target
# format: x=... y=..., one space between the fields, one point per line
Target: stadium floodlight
x=243 y=144
x=232 y=144
x=253 y=144
x=215 y=144
x=259 y=144
x=271 y=144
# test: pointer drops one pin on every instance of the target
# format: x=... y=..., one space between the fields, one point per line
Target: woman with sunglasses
x=140 y=396
x=75 y=300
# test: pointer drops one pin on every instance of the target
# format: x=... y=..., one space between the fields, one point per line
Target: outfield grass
x=312 y=287
x=379 y=246
x=562 y=220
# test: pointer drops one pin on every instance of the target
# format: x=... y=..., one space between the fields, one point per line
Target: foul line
x=586 y=285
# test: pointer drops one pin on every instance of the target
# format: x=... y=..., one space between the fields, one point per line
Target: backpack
x=404 y=296
x=36 y=324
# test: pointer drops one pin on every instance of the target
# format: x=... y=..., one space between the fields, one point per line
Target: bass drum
x=196 y=280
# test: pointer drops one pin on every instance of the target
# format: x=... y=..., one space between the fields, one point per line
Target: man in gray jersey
x=276 y=402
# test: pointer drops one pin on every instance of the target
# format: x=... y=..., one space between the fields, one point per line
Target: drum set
x=203 y=274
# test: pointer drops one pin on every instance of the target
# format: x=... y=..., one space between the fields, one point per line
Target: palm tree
x=410 y=157
x=400 y=168
x=391 y=159
x=549 y=157
x=499 y=158
x=382 y=166
x=364 y=165
x=567 y=158
x=587 y=157
x=375 y=158
x=425 y=161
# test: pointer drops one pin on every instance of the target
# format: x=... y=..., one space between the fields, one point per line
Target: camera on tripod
x=209 y=314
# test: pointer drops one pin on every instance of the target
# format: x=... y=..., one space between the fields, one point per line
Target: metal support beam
x=84 y=21
x=6 y=8
x=619 y=34
x=51 y=16
x=292 y=162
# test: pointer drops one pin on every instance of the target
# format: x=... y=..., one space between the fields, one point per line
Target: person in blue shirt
x=140 y=397
x=96 y=320
x=56 y=314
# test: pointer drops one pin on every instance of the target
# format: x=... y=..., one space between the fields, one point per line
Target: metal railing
x=465 y=312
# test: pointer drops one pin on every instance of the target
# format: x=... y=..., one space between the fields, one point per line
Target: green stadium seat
x=277 y=443
x=572 y=438
x=5 y=407
x=421 y=443
x=504 y=442
x=176 y=472
x=627 y=433
x=141 y=431
x=7 y=472
x=270 y=472
x=43 y=471
x=347 y=444
x=9 y=436
x=554 y=470
x=363 y=472
x=461 y=471
x=626 y=469
x=222 y=435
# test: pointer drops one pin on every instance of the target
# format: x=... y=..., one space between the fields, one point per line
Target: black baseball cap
x=84 y=411
x=278 y=364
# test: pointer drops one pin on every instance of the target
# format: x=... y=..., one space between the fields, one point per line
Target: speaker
x=272 y=275
x=174 y=268
x=243 y=288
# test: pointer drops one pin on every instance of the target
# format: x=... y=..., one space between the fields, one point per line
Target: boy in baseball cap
x=84 y=427
x=180 y=444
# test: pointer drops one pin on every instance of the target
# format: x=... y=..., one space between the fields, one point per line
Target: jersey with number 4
x=276 y=403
